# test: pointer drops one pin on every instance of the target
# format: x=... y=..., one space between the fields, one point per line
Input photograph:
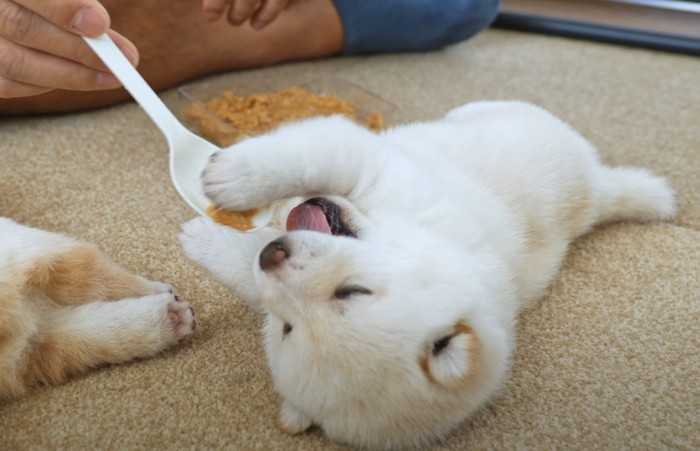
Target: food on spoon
x=229 y=117
x=239 y=220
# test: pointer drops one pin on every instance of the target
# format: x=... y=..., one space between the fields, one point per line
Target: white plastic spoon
x=189 y=153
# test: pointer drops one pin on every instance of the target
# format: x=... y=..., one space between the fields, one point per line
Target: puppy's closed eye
x=348 y=291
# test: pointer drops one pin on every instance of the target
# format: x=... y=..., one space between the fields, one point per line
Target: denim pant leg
x=374 y=26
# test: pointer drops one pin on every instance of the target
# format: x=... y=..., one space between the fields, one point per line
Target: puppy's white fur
x=460 y=223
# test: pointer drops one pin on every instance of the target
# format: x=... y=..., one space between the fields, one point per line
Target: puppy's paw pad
x=182 y=318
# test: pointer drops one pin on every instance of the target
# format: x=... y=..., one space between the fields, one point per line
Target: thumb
x=86 y=17
x=91 y=20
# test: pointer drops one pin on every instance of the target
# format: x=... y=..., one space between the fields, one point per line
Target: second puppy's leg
x=73 y=339
x=81 y=273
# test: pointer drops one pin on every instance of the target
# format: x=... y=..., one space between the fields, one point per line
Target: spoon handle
x=127 y=74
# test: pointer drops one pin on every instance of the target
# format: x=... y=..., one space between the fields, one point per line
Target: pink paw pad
x=182 y=317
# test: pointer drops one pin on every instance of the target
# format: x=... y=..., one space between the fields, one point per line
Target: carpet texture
x=607 y=360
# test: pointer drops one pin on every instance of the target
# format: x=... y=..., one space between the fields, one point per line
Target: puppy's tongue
x=307 y=217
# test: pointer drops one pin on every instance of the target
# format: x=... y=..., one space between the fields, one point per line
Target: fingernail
x=89 y=22
x=257 y=24
x=106 y=80
x=131 y=54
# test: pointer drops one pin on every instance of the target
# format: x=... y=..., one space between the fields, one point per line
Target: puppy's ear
x=451 y=358
x=292 y=421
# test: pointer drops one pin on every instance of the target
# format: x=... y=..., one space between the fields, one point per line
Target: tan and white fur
x=396 y=326
x=65 y=308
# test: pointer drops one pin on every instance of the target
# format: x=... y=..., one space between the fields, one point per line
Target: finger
x=32 y=67
x=214 y=9
x=267 y=13
x=30 y=30
x=10 y=89
x=86 y=17
x=241 y=10
x=126 y=46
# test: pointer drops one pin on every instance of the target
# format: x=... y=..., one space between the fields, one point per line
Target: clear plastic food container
x=210 y=126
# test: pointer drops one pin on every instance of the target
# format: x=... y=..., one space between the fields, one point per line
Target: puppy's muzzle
x=273 y=254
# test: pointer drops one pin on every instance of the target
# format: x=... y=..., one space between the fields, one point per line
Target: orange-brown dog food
x=239 y=220
x=226 y=119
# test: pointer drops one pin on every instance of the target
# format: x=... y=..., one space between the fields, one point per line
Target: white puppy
x=391 y=300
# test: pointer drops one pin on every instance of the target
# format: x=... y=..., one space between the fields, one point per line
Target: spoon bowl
x=189 y=153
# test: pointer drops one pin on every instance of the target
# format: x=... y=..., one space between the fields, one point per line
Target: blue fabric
x=373 y=26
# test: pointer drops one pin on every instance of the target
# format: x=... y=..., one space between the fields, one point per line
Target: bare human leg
x=177 y=44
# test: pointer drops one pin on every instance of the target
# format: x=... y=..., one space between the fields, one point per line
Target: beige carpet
x=608 y=360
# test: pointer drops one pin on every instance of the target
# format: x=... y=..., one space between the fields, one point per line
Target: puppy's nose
x=273 y=254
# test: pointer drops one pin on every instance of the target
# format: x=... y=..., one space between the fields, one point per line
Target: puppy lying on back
x=65 y=308
x=391 y=297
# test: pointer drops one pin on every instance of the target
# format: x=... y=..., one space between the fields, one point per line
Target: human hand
x=260 y=12
x=41 y=48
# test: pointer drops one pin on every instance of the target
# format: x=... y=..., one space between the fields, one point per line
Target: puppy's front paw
x=182 y=319
x=234 y=181
x=199 y=237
